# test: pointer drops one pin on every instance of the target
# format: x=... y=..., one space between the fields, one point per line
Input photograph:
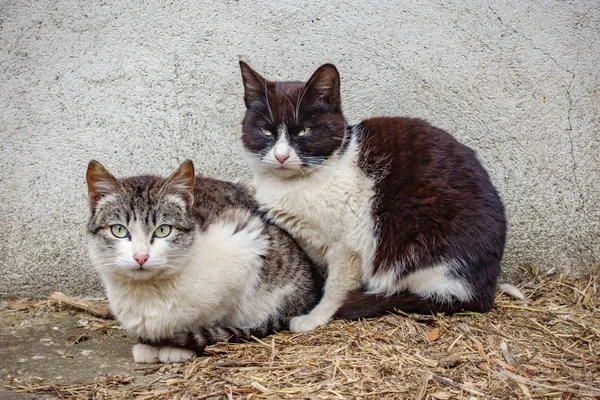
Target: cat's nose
x=281 y=158
x=141 y=258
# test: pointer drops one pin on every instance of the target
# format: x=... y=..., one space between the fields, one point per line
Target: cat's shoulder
x=398 y=129
x=241 y=219
x=213 y=196
x=217 y=186
x=407 y=142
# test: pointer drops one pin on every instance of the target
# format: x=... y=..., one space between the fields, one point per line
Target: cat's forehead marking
x=138 y=221
x=287 y=101
x=282 y=146
x=282 y=130
x=137 y=230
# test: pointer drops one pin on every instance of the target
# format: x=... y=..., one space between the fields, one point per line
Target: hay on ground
x=545 y=347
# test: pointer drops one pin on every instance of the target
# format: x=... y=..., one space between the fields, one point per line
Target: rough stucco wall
x=143 y=87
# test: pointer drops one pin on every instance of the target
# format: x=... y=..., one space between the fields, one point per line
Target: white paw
x=175 y=354
x=144 y=354
x=308 y=322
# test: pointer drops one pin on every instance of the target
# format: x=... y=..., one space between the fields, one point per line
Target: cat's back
x=409 y=146
x=213 y=196
x=409 y=155
x=431 y=186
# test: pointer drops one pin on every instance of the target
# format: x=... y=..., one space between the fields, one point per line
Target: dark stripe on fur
x=197 y=341
x=347 y=139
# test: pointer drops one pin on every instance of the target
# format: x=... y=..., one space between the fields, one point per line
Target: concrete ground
x=65 y=347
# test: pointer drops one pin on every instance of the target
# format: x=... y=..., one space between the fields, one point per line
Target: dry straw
x=548 y=347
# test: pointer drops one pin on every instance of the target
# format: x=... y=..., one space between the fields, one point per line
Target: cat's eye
x=162 y=231
x=119 y=231
x=303 y=132
x=266 y=132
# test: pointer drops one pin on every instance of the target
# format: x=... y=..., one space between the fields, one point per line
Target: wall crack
x=569 y=129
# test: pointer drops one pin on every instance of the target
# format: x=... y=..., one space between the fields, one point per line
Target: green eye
x=266 y=132
x=162 y=231
x=303 y=132
x=119 y=231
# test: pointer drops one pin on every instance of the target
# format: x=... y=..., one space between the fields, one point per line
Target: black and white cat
x=391 y=205
x=189 y=261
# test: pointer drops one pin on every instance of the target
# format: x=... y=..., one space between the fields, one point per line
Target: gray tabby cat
x=189 y=261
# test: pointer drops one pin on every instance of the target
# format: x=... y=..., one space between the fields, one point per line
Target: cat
x=402 y=215
x=190 y=261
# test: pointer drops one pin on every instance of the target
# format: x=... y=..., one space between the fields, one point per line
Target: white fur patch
x=174 y=354
x=328 y=207
x=343 y=275
x=434 y=283
x=309 y=322
x=145 y=354
x=282 y=148
x=511 y=291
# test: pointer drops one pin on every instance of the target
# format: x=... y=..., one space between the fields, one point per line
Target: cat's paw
x=308 y=322
x=175 y=354
x=145 y=354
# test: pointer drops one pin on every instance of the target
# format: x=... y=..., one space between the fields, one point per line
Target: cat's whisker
x=264 y=116
x=267 y=100
x=291 y=105
x=301 y=97
x=297 y=108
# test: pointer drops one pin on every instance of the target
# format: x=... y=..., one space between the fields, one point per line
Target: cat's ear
x=181 y=183
x=323 y=88
x=100 y=183
x=255 y=86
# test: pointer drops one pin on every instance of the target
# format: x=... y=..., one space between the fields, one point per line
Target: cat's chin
x=146 y=273
x=285 y=172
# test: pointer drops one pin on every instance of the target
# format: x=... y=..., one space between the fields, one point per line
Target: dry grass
x=548 y=348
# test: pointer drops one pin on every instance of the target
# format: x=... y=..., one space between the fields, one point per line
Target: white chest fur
x=327 y=209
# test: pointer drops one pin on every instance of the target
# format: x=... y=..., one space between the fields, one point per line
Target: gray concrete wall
x=143 y=87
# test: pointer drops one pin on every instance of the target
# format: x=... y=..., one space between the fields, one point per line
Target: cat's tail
x=198 y=340
x=363 y=305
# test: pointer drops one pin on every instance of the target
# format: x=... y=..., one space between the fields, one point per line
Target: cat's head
x=140 y=227
x=291 y=128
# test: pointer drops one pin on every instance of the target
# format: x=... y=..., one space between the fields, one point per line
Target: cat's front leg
x=168 y=354
x=343 y=275
x=178 y=348
x=150 y=354
x=145 y=353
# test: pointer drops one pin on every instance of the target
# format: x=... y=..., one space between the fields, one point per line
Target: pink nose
x=141 y=258
x=281 y=158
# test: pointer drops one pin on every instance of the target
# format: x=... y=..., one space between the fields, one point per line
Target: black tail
x=363 y=305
